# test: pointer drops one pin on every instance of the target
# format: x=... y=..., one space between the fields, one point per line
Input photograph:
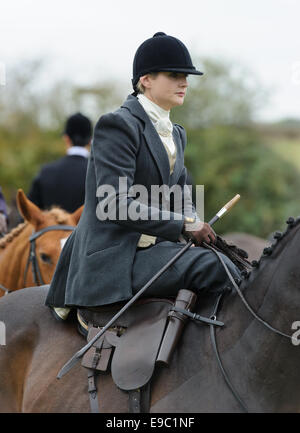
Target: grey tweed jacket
x=95 y=265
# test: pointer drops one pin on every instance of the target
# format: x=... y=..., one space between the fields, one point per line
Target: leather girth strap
x=139 y=399
x=92 y=390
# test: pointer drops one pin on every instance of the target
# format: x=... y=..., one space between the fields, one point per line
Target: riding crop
x=76 y=357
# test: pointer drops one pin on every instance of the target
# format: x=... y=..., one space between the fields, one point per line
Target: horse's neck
x=262 y=365
x=261 y=360
x=258 y=362
x=13 y=257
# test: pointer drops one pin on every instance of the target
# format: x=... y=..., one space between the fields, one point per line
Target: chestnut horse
x=16 y=271
x=262 y=365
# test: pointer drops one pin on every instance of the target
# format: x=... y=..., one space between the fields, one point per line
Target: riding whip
x=75 y=358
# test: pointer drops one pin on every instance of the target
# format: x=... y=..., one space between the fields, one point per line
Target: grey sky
x=85 y=40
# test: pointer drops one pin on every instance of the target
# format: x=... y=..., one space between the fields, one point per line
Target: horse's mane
x=12 y=234
x=268 y=251
x=60 y=217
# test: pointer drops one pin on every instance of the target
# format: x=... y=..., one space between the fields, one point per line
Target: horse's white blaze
x=62 y=242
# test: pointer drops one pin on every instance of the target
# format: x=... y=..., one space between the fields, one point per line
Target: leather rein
x=32 y=258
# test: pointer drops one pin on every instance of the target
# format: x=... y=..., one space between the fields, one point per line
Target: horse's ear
x=77 y=214
x=29 y=211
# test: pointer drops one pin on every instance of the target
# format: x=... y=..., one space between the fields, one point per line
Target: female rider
x=123 y=239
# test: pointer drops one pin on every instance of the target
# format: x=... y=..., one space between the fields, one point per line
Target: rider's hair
x=140 y=88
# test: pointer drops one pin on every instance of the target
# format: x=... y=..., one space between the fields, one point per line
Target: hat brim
x=181 y=70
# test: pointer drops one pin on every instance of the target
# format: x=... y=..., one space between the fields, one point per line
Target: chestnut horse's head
x=16 y=246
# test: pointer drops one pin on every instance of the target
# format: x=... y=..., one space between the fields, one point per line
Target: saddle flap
x=135 y=354
x=98 y=356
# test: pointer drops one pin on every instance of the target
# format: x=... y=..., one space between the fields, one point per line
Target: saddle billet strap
x=95 y=363
x=93 y=391
x=197 y=317
x=134 y=401
x=92 y=382
x=139 y=399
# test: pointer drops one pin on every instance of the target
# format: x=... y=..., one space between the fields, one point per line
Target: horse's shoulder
x=23 y=305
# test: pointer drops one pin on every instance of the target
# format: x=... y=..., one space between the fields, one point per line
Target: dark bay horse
x=263 y=366
x=15 y=246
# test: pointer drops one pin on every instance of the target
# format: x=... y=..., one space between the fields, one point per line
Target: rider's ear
x=29 y=211
x=77 y=214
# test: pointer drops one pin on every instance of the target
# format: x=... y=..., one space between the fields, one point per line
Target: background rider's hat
x=79 y=128
x=162 y=53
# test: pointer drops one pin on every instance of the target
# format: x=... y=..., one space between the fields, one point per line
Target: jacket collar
x=78 y=151
x=133 y=105
x=153 y=140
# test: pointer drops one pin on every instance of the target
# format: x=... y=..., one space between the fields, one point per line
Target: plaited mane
x=267 y=252
x=59 y=215
x=12 y=234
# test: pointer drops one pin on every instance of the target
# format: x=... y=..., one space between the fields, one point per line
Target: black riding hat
x=79 y=128
x=162 y=53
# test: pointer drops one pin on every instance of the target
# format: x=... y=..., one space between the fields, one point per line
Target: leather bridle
x=37 y=275
x=4 y=289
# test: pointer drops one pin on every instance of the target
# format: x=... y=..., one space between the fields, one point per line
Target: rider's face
x=166 y=89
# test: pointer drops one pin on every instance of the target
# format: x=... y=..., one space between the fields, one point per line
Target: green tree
x=227 y=93
x=32 y=118
x=228 y=160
